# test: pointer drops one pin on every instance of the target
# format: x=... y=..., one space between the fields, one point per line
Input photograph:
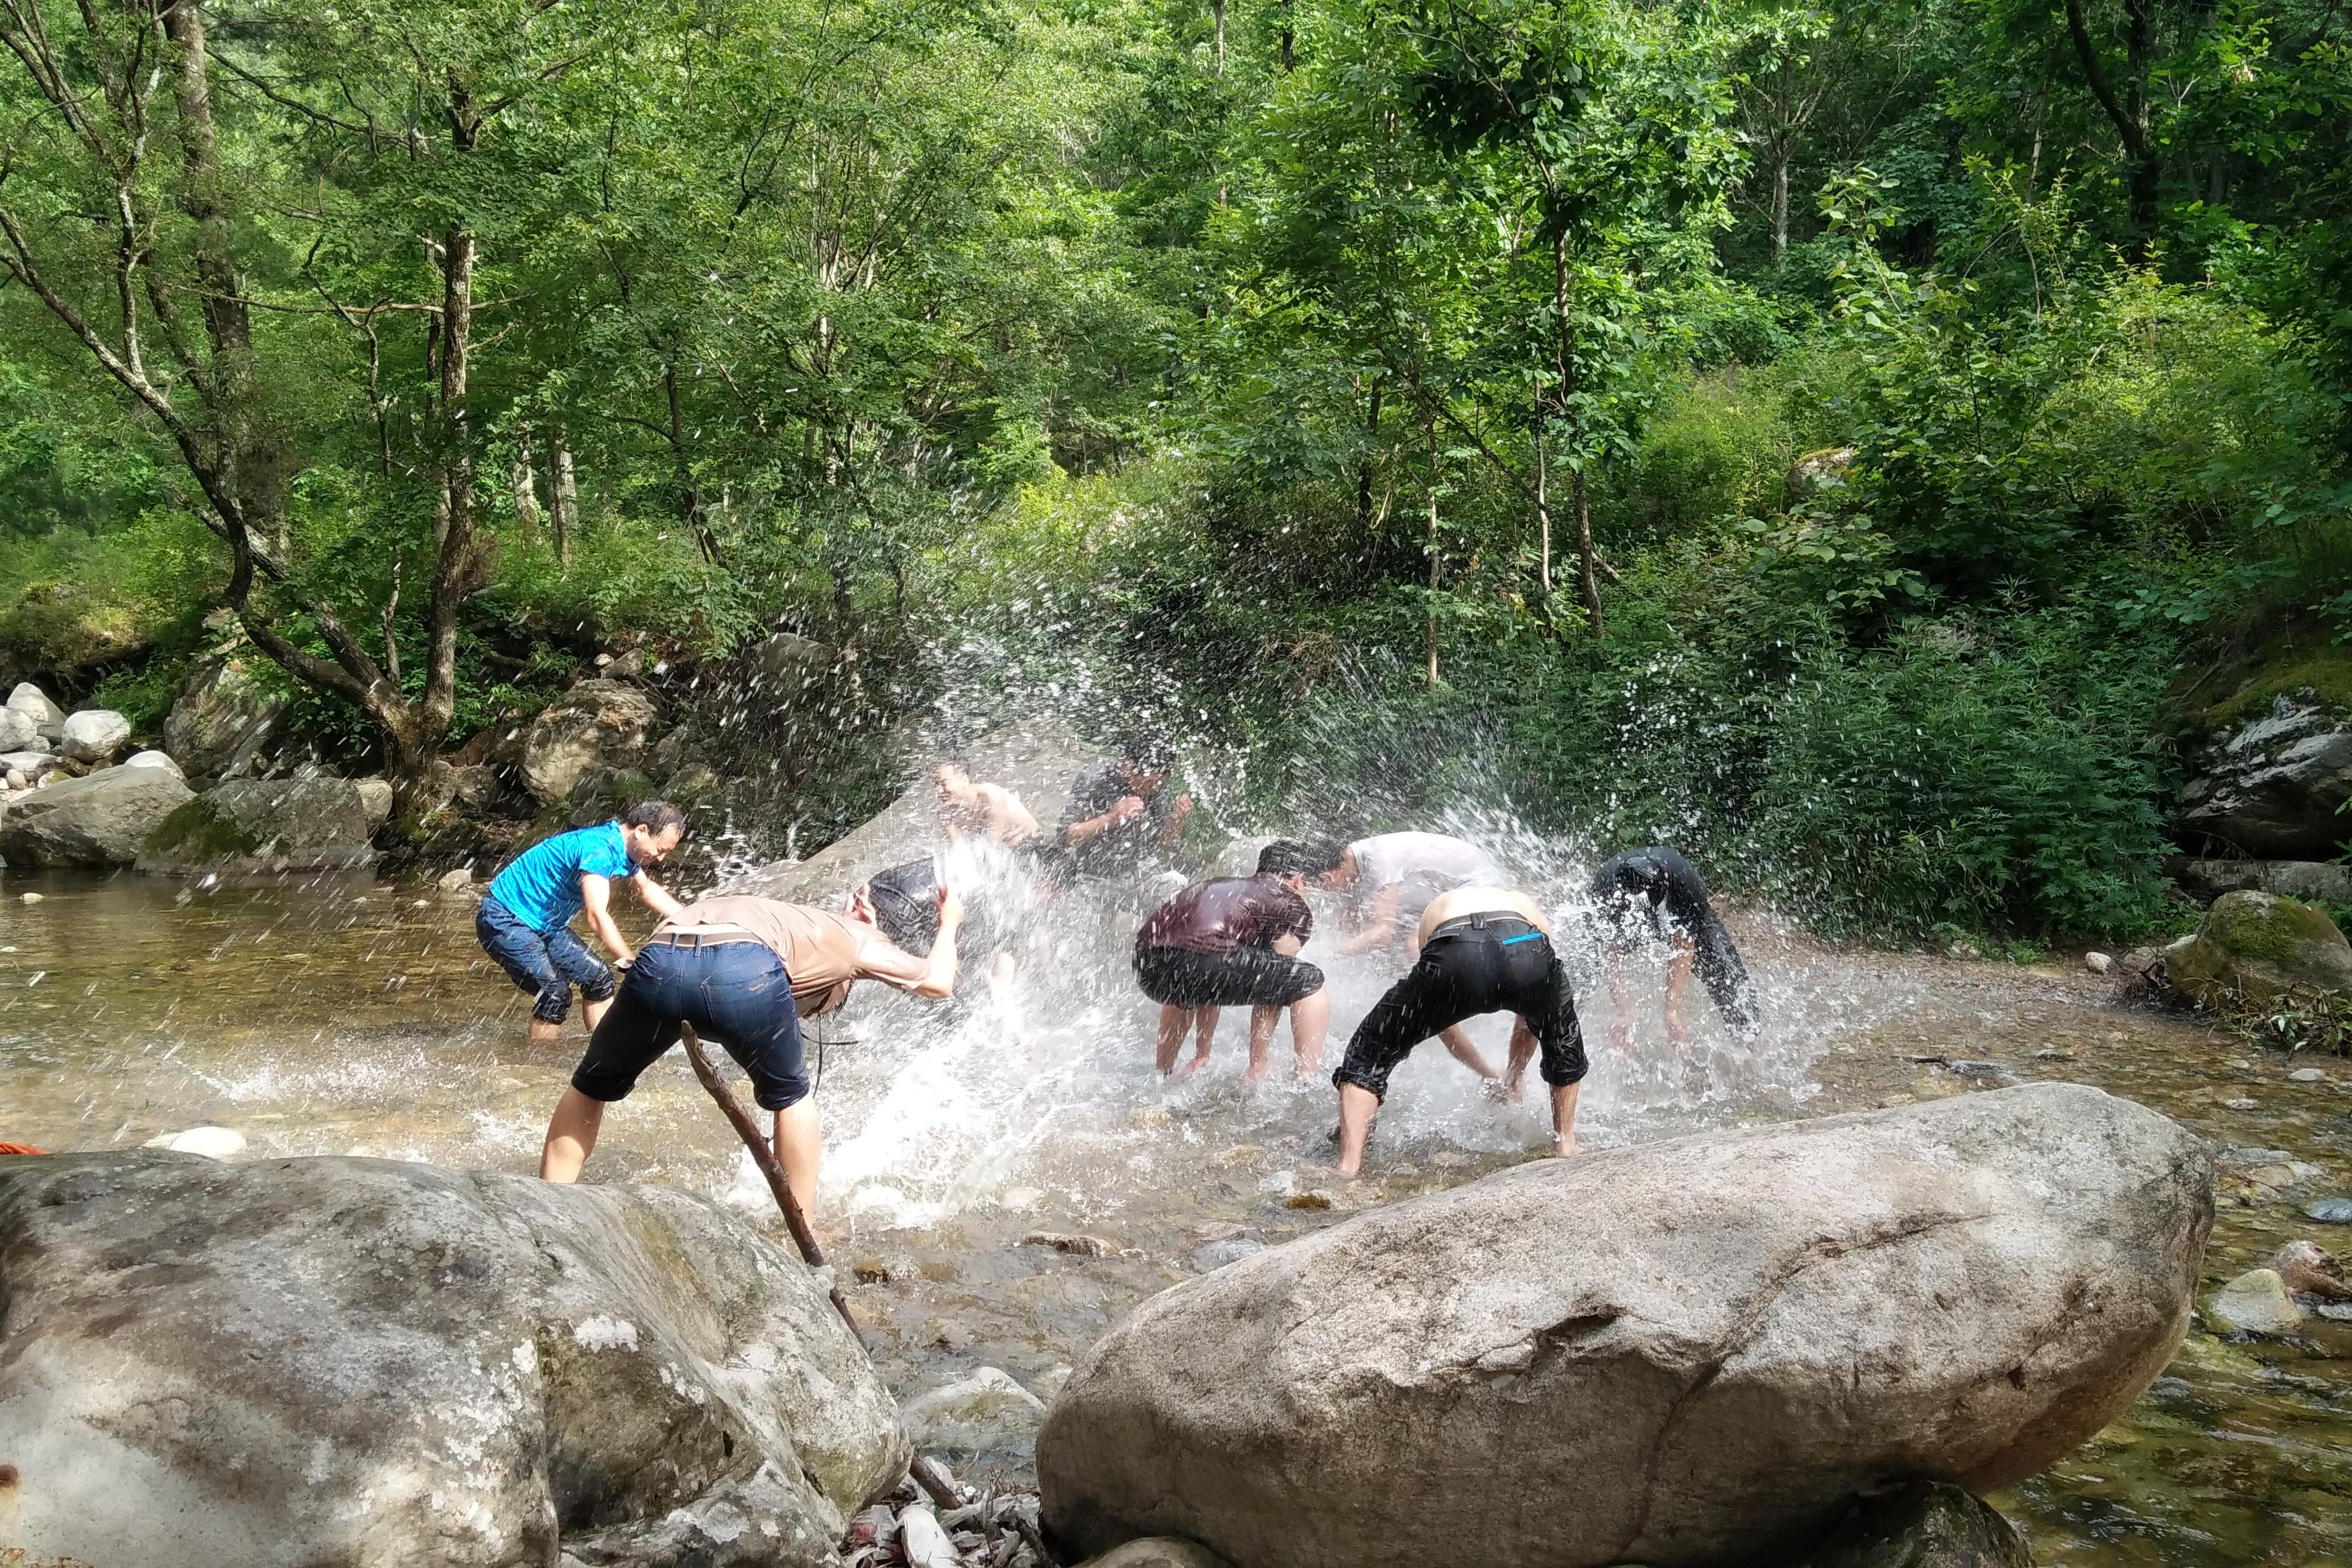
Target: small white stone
x=2306 y=1075
x=212 y=1143
x=2098 y=963
x=601 y=1332
x=152 y=759
x=32 y=898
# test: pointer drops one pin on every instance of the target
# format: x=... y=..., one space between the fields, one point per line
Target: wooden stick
x=933 y=1478
x=765 y=1158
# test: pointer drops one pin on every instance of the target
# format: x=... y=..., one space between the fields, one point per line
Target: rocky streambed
x=341 y=1015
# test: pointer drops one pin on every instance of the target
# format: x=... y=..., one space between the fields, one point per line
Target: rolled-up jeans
x=736 y=993
x=546 y=964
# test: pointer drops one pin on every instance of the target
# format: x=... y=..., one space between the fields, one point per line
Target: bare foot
x=1186 y=1070
x=1256 y=1073
x=1565 y=1146
x=1501 y=1091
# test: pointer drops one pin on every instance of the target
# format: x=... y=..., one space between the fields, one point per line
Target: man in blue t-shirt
x=525 y=922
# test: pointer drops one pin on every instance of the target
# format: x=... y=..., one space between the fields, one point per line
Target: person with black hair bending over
x=1656 y=892
x=1120 y=810
x=1234 y=942
x=1483 y=950
x=1002 y=908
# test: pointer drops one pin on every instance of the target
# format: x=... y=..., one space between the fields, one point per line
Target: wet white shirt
x=1425 y=865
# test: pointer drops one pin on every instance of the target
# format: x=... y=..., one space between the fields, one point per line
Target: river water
x=346 y=1015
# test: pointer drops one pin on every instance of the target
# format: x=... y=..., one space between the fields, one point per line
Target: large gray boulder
x=2208 y=880
x=17 y=731
x=344 y=1361
x=93 y=734
x=2270 y=788
x=264 y=824
x=2256 y=949
x=1037 y=759
x=101 y=819
x=1687 y=1354
x=47 y=718
x=222 y=722
x=598 y=723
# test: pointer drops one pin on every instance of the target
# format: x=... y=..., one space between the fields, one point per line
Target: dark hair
x=656 y=817
x=1052 y=865
x=1150 y=750
x=1308 y=857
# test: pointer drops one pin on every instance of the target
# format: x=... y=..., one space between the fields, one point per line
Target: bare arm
x=1078 y=832
x=932 y=977
x=1172 y=829
x=658 y=898
x=1379 y=921
x=596 y=895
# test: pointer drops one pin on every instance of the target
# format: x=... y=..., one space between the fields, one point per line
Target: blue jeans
x=546 y=963
x=736 y=993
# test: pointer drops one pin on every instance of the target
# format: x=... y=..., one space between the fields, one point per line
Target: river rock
x=17 y=731
x=47 y=718
x=98 y=820
x=222 y=723
x=264 y=824
x=34 y=765
x=2317 y=880
x=153 y=759
x=93 y=734
x=1158 y=1551
x=212 y=1143
x=785 y=662
x=375 y=799
x=2257 y=1302
x=596 y=724
x=1924 y=1525
x=2307 y=1269
x=351 y=1360
x=1692 y=1352
x=981 y=1411
x=2331 y=1211
x=2255 y=949
x=2271 y=787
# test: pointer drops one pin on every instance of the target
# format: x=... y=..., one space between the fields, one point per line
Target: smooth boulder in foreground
x=350 y=1361
x=1692 y=1352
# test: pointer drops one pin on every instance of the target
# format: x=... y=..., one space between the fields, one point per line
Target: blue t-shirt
x=541 y=885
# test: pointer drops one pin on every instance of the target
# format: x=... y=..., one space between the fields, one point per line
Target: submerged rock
x=1926 y=1525
x=2255 y=948
x=368 y=1361
x=102 y=819
x=2257 y=1302
x=1691 y=1351
x=2331 y=1211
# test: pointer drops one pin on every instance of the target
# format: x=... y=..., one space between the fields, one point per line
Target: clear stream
x=347 y=1016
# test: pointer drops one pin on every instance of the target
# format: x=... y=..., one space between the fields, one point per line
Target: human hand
x=1183 y=808
x=1126 y=810
x=951 y=905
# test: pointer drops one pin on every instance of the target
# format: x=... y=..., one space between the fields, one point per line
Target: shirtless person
x=1392 y=877
x=1233 y=942
x=1656 y=892
x=743 y=972
x=1483 y=950
x=971 y=808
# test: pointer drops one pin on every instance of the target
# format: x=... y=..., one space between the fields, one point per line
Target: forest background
x=1858 y=443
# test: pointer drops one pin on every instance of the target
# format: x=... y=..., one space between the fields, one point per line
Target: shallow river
x=353 y=1017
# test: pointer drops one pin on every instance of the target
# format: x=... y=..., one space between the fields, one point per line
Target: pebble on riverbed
x=2256 y=1303
x=2331 y=1211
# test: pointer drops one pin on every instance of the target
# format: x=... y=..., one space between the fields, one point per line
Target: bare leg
x=798 y=1142
x=1612 y=971
x=1563 y=1118
x=1173 y=1023
x=1310 y=1018
x=571 y=1137
x=1356 y=1106
x=1261 y=1045
x=544 y=1034
x=593 y=1013
x=1204 y=1028
x=1455 y=1041
x=1678 y=972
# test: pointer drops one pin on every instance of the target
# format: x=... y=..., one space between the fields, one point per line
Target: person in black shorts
x=1233 y=942
x=1654 y=892
x=1483 y=950
x=1001 y=907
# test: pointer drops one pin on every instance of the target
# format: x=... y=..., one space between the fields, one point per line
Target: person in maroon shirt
x=1234 y=942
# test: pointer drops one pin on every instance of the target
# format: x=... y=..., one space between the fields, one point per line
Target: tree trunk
x=1590 y=582
x=525 y=484
x=1565 y=367
x=1428 y=623
x=566 y=500
x=1780 y=201
x=705 y=542
x=1217 y=7
x=1543 y=502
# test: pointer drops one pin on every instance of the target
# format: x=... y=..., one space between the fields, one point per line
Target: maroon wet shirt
x=1229 y=912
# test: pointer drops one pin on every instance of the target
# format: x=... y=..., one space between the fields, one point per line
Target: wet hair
x=1308 y=857
x=656 y=817
x=1052 y=865
x=1150 y=750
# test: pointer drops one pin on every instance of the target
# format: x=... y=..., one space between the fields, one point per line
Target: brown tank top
x=819 y=949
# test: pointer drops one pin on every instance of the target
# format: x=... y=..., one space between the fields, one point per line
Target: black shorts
x=1481 y=964
x=1246 y=977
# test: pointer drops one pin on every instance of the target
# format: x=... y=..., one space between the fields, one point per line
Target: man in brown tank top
x=743 y=972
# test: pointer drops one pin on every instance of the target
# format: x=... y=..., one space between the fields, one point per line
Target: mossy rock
x=2306 y=664
x=1926 y=1525
x=197 y=834
x=2256 y=949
